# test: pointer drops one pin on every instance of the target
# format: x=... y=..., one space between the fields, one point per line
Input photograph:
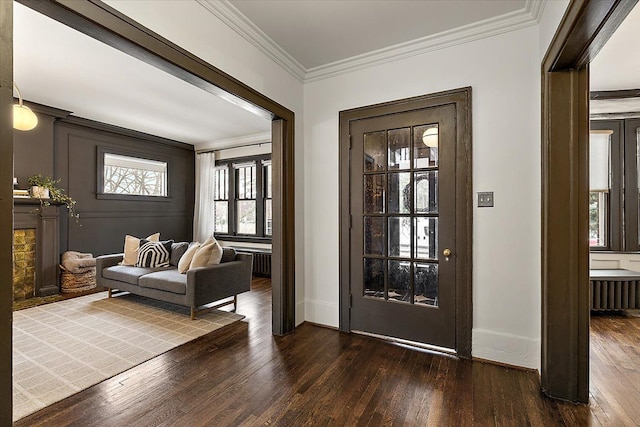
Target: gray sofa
x=198 y=289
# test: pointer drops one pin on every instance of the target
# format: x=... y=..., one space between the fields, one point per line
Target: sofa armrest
x=212 y=283
x=104 y=261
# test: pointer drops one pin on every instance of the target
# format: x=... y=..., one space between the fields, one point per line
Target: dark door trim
x=6 y=210
x=104 y=23
x=585 y=28
x=461 y=98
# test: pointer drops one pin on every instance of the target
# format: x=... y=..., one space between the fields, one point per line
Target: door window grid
x=394 y=269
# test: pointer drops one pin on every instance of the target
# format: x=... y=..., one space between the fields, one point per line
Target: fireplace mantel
x=45 y=221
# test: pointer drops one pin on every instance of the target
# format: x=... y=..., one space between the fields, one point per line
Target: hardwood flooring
x=243 y=375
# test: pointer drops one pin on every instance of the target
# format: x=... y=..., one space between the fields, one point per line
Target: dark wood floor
x=242 y=375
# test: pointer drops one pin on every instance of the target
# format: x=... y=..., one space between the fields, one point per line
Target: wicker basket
x=77 y=282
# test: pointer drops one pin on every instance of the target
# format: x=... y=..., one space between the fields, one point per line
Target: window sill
x=132 y=197
x=248 y=239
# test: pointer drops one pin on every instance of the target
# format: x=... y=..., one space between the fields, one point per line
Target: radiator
x=262 y=263
x=618 y=294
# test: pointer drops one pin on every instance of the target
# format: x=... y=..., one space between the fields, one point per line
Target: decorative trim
x=239 y=23
x=232 y=17
x=321 y=312
x=239 y=141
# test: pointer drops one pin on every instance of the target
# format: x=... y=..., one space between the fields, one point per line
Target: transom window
x=133 y=176
x=243 y=198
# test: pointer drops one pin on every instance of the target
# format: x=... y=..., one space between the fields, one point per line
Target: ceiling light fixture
x=430 y=137
x=23 y=117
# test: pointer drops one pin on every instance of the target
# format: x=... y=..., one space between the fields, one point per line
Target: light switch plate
x=485 y=199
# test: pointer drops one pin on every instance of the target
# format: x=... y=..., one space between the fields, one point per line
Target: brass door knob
x=446 y=252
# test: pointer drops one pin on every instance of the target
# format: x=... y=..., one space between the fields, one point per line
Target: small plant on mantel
x=56 y=194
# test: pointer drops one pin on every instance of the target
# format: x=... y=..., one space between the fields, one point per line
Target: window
x=243 y=199
x=127 y=175
x=599 y=186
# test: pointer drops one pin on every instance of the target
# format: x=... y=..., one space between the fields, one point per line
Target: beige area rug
x=62 y=348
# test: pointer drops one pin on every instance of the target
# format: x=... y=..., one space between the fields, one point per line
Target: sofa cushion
x=165 y=280
x=131 y=245
x=228 y=255
x=177 y=250
x=209 y=253
x=185 y=261
x=126 y=273
x=154 y=254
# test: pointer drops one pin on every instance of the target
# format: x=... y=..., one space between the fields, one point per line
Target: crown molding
x=529 y=15
x=239 y=141
x=512 y=21
x=239 y=23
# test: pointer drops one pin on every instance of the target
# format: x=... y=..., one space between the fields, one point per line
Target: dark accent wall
x=104 y=222
x=67 y=149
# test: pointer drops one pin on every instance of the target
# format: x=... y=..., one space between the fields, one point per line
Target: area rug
x=62 y=348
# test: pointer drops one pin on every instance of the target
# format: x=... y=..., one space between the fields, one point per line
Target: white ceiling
x=617 y=65
x=320 y=32
x=58 y=66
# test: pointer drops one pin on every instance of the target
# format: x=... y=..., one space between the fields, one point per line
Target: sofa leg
x=109 y=293
x=235 y=302
x=193 y=313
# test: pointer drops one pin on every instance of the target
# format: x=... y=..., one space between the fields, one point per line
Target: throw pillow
x=228 y=255
x=208 y=254
x=177 y=250
x=154 y=254
x=185 y=261
x=131 y=245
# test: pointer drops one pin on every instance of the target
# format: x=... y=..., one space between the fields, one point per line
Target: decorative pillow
x=177 y=250
x=154 y=254
x=185 y=261
x=228 y=255
x=131 y=245
x=208 y=254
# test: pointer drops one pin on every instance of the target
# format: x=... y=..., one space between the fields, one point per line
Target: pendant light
x=23 y=117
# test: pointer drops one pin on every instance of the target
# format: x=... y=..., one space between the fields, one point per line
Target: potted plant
x=46 y=190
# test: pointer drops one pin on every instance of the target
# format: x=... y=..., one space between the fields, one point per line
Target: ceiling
x=320 y=32
x=58 y=66
x=617 y=67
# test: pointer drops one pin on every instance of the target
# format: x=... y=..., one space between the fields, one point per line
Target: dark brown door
x=402 y=253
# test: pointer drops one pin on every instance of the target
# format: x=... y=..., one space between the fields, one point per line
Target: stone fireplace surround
x=47 y=248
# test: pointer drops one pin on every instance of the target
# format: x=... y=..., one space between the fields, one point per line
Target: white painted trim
x=321 y=312
x=489 y=27
x=299 y=313
x=231 y=16
x=239 y=141
x=506 y=348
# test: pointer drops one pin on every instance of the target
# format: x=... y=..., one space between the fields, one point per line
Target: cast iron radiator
x=262 y=263
x=614 y=290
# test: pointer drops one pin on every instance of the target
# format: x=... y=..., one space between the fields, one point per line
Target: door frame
x=584 y=29
x=106 y=24
x=461 y=99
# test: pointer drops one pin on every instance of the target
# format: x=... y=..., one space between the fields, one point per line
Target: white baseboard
x=506 y=348
x=321 y=312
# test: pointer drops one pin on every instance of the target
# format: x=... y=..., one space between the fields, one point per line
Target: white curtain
x=204 y=215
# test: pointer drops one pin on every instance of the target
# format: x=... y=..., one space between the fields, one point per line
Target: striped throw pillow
x=154 y=254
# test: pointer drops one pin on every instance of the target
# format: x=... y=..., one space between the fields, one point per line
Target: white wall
x=191 y=26
x=504 y=74
x=551 y=17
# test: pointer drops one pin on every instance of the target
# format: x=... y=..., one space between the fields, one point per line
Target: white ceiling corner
x=527 y=16
x=232 y=17
x=241 y=141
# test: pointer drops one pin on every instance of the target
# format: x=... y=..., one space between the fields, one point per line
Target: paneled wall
x=66 y=148
x=104 y=222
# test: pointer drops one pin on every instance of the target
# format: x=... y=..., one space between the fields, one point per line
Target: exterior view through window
x=243 y=198
x=134 y=176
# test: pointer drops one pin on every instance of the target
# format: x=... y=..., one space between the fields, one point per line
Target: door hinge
x=350 y=141
x=350 y=221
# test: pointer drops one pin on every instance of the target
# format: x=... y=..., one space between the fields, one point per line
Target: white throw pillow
x=185 y=260
x=131 y=245
x=208 y=254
